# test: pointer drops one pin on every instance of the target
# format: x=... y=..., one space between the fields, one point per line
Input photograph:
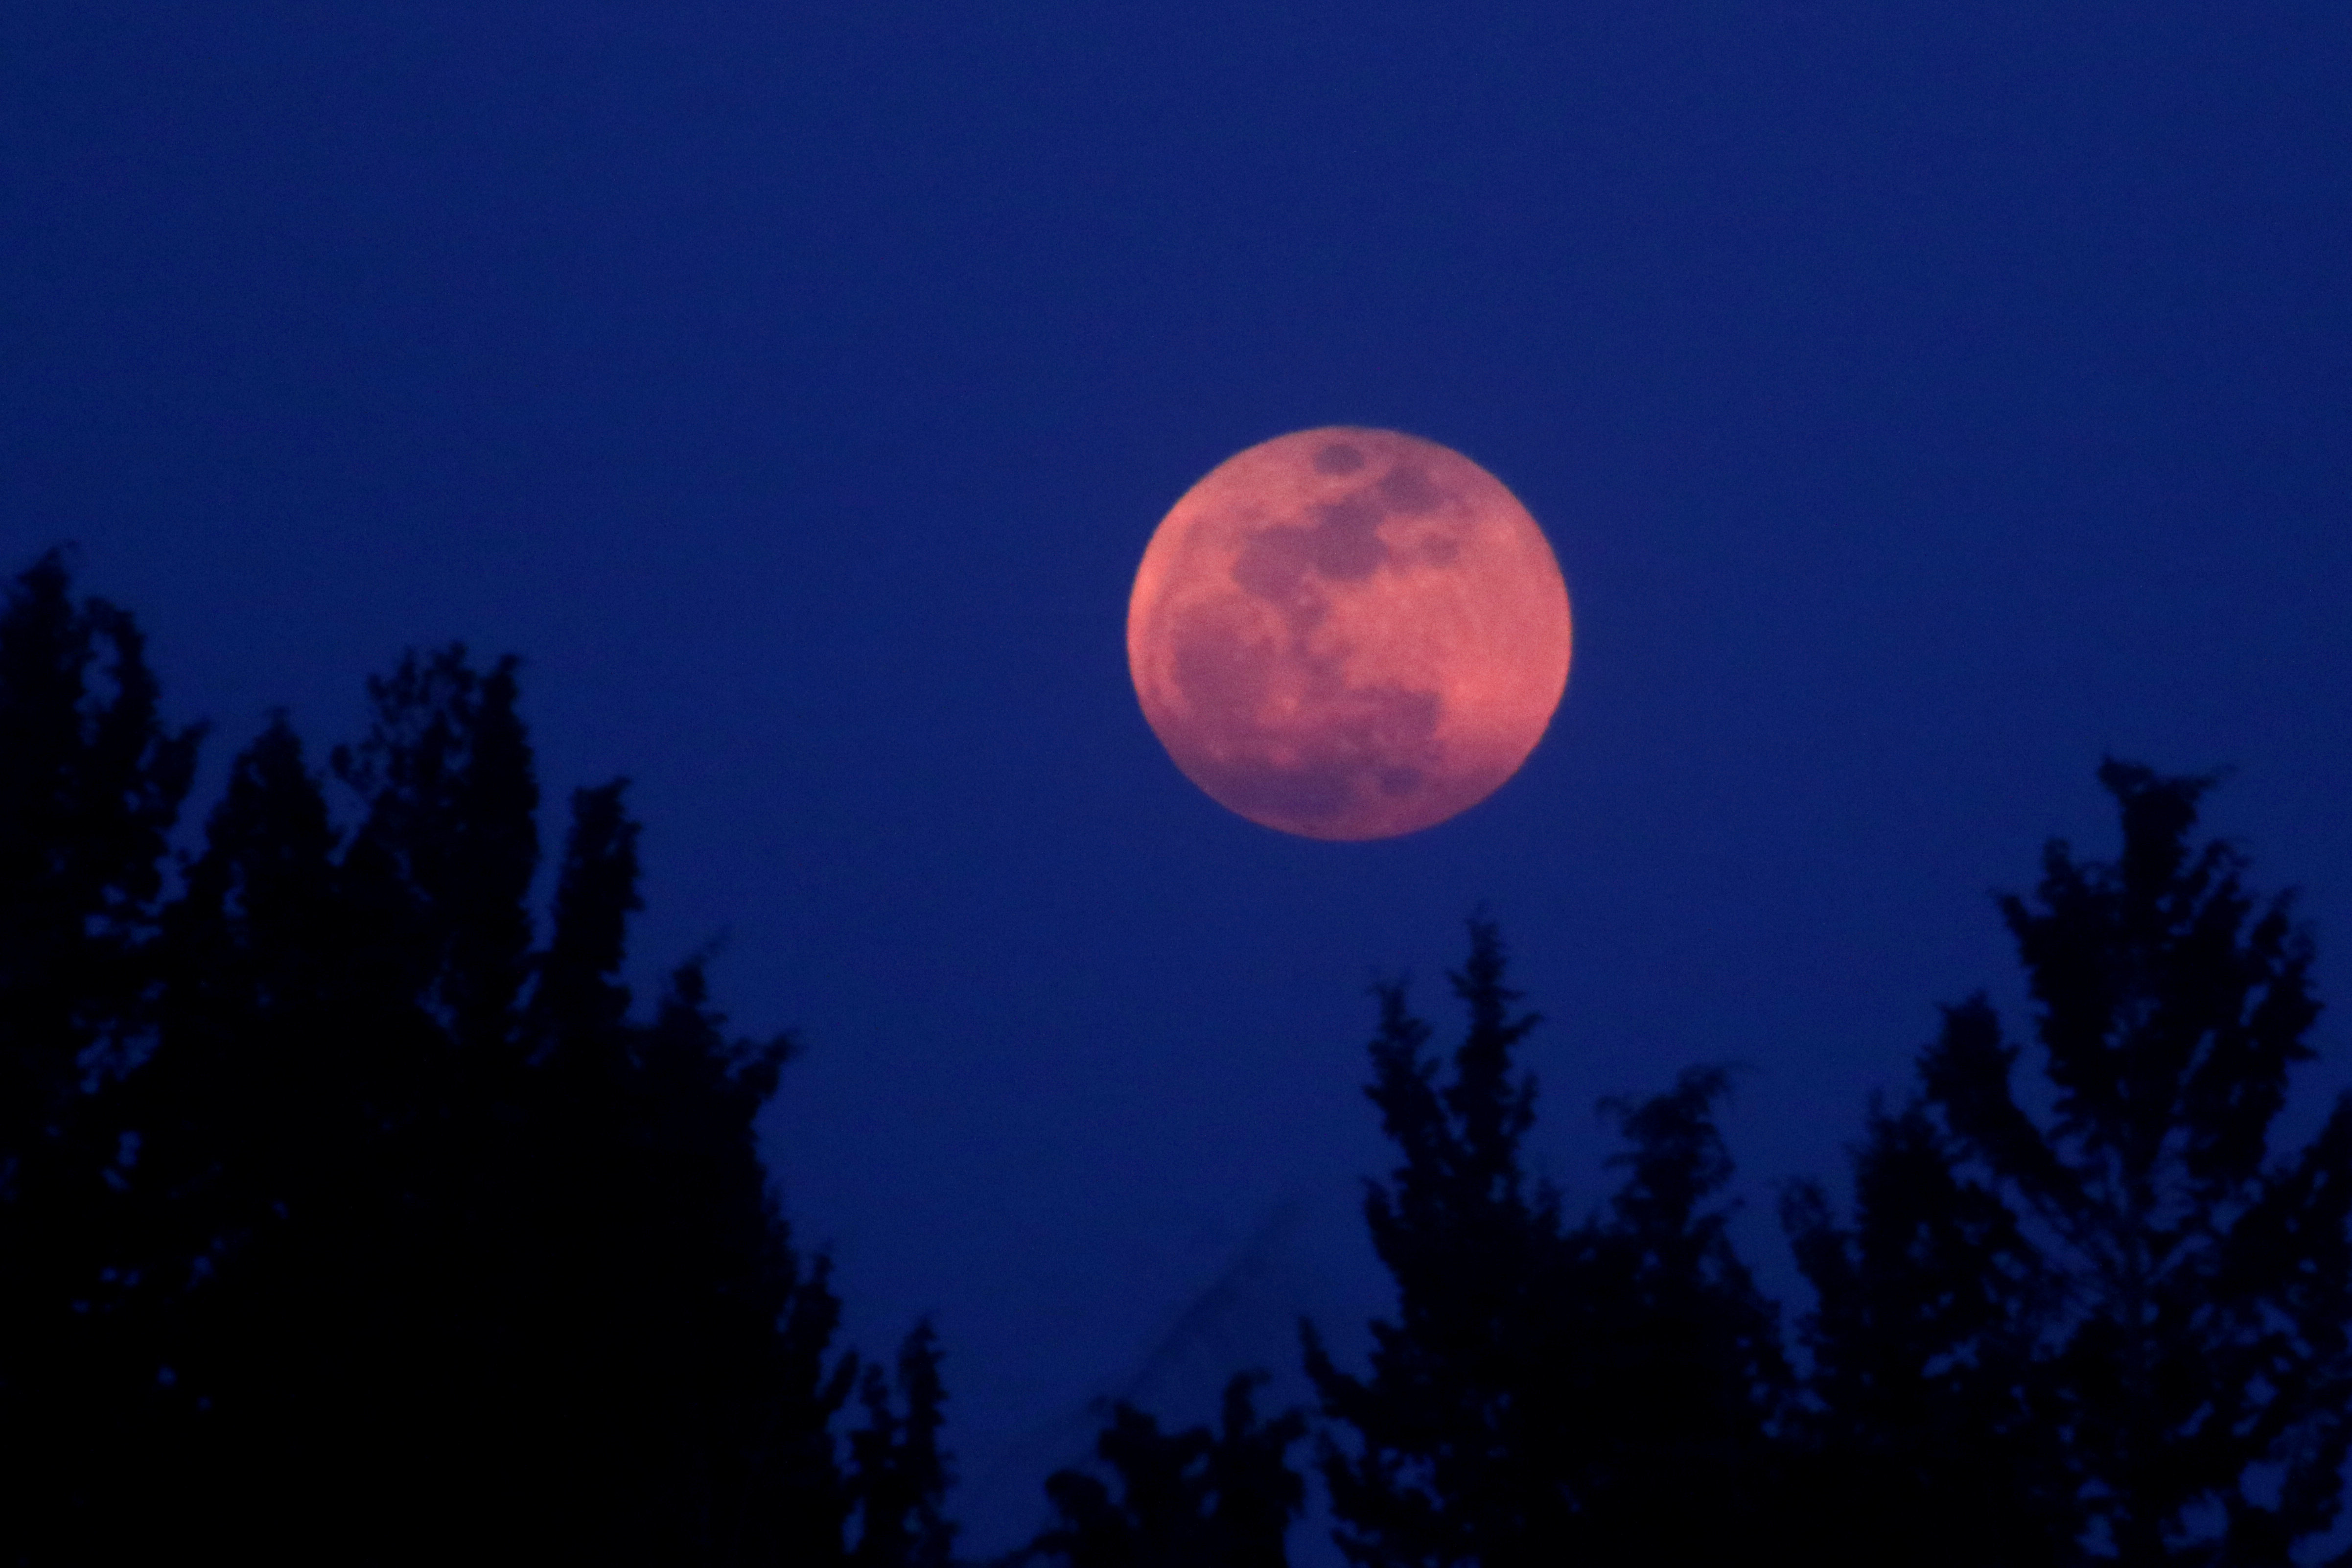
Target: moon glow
x=1349 y=634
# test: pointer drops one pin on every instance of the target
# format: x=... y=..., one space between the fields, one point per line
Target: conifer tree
x=91 y=782
x=336 y=1105
x=1448 y=1463
x=1681 y=1380
x=1928 y=1426
x=2126 y=1315
x=1605 y=1393
x=1255 y=1492
x=342 y=1222
x=898 y=1474
x=1195 y=1499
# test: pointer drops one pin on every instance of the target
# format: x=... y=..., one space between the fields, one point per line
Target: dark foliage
x=341 y=1219
x=1195 y=1498
x=1546 y=1394
x=2115 y=1331
x=91 y=785
x=1681 y=1353
x=341 y=1222
x=898 y=1474
x=1927 y=1427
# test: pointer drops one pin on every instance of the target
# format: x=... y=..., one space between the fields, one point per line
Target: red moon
x=1349 y=634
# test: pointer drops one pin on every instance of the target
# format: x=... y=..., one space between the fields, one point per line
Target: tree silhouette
x=1604 y=1394
x=343 y=1218
x=1450 y=1468
x=899 y=1478
x=1928 y=1427
x=1195 y=1498
x=91 y=785
x=2120 y=1320
x=351 y=1225
x=1680 y=1352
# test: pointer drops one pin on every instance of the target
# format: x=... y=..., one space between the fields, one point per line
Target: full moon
x=1349 y=634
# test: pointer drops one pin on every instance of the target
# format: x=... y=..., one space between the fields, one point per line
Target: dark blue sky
x=1922 y=403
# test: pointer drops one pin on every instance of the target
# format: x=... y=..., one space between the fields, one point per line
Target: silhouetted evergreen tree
x=326 y=1104
x=356 y=1227
x=2122 y=1315
x=1684 y=1351
x=898 y=1477
x=1930 y=1427
x=1255 y=1494
x=91 y=785
x=1545 y=1396
x=1195 y=1498
x=1449 y=1463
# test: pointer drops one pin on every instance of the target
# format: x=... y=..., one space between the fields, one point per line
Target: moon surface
x=1349 y=634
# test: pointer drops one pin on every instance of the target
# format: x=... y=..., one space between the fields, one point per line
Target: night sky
x=1923 y=403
